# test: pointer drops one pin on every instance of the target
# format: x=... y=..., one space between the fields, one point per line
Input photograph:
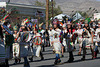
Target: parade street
x=49 y=33
x=50 y=57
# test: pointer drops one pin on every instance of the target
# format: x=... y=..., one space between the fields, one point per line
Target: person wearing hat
x=16 y=35
x=23 y=30
x=41 y=31
x=50 y=31
x=2 y=48
x=86 y=25
x=64 y=39
x=87 y=40
x=79 y=32
x=69 y=42
x=97 y=43
x=56 y=43
x=40 y=28
x=94 y=27
x=37 y=47
x=9 y=40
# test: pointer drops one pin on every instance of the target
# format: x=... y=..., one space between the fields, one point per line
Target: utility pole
x=47 y=13
x=52 y=11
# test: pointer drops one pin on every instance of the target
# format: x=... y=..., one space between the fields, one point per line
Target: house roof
x=4 y=4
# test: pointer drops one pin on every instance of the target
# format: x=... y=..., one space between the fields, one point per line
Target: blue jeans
x=57 y=56
x=96 y=47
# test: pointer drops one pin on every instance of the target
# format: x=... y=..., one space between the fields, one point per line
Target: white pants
x=87 y=42
x=80 y=40
x=57 y=47
x=36 y=50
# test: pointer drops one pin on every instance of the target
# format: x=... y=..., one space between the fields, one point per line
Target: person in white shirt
x=16 y=35
x=87 y=40
x=56 y=43
x=97 y=43
x=64 y=38
x=79 y=32
x=37 y=45
x=51 y=34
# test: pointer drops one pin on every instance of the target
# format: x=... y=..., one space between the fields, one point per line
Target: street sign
x=40 y=14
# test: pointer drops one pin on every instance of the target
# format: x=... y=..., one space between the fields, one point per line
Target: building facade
x=22 y=11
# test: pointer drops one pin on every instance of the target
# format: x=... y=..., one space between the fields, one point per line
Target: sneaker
x=95 y=57
x=42 y=58
x=70 y=60
x=55 y=62
x=31 y=59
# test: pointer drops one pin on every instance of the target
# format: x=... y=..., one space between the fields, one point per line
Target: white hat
x=64 y=25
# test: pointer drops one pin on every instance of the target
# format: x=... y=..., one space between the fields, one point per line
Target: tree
x=56 y=9
x=37 y=3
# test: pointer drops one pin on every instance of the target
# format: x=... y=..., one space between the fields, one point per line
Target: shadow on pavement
x=33 y=61
x=47 y=66
x=79 y=61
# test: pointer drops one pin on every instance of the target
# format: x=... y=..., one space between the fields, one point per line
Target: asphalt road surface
x=49 y=59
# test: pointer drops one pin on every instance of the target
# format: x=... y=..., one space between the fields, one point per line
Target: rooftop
x=4 y=4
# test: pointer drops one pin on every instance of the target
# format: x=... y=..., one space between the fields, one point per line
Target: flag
x=77 y=21
x=77 y=16
x=61 y=23
x=26 y=20
x=88 y=19
x=35 y=25
x=5 y=16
